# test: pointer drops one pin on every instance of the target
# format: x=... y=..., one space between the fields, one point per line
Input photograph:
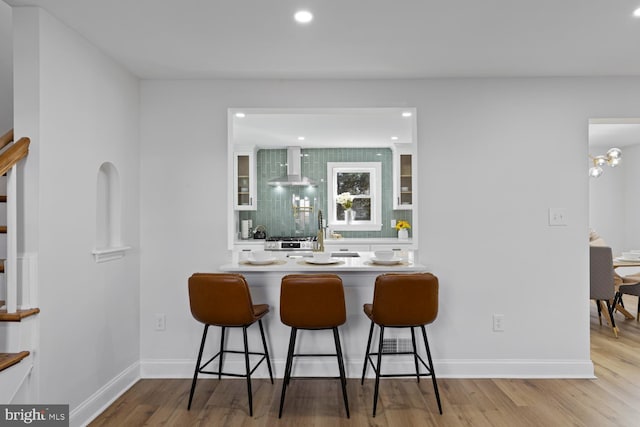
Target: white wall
x=6 y=69
x=494 y=156
x=81 y=109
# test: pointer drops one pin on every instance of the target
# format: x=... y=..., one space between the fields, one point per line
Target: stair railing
x=8 y=159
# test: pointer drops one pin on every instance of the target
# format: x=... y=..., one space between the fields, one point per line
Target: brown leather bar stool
x=402 y=301
x=312 y=302
x=224 y=300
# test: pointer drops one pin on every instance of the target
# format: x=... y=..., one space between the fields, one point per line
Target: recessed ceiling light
x=394 y=138
x=301 y=138
x=240 y=115
x=303 y=16
x=636 y=13
x=406 y=114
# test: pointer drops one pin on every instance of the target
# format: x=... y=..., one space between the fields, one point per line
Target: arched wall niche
x=108 y=245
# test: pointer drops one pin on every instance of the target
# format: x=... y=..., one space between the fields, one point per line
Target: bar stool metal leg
x=287 y=369
x=195 y=374
x=366 y=354
x=221 y=352
x=375 y=393
x=343 y=377
x=266 y=352
x=415 y=353
x=246 y=361
x=433 y=372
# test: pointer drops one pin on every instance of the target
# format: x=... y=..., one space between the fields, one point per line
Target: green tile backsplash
x=275 y=204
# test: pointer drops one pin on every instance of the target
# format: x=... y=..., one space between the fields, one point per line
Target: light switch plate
x=557 y=216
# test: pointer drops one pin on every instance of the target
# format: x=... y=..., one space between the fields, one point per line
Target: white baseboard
x=445 y=368
x=515 y=368
x=88 y=410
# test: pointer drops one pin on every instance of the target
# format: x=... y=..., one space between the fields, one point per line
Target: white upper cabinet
x=403 y=178
x=244 y=180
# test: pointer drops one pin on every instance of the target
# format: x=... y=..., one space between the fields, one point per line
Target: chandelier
x=612 y=158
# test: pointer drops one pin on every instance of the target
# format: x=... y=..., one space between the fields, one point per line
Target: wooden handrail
x=13 y=154
x=6 y=138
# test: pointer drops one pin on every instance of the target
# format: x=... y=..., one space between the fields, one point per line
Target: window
x=362 y=181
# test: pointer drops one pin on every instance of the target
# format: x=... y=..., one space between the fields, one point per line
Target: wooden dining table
x=618 y=263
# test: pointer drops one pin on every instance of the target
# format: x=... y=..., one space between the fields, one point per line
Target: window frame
x=375 y=171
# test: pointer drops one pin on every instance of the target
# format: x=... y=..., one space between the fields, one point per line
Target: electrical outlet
x=498 y=323
x=393 y=223
x=160 y=322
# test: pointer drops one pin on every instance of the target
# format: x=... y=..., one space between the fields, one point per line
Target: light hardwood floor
x=611 y=400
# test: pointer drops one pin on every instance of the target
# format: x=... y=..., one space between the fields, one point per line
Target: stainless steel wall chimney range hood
x=294 y=175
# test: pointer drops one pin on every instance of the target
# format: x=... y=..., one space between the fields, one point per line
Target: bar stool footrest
x=427 y=367
x=262 y=359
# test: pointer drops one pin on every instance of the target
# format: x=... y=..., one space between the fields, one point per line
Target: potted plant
x=403 y=229
x=346 y=201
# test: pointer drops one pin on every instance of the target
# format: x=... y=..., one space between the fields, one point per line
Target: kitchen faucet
x=320 y=244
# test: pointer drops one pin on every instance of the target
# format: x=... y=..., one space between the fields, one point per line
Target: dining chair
x=630 y=286
x=602 y=283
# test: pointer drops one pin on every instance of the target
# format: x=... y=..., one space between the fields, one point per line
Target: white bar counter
x=358 y=276
x=296 y=262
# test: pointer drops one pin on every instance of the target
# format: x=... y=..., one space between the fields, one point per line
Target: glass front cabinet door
x=245 y=181
x=403 y=180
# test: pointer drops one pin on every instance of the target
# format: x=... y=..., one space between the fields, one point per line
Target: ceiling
x=196 y=39
x=613 y=132
x=361 y=39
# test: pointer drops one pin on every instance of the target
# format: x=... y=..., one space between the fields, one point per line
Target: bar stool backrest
x=405 y=299
x=312 y=301
x=221 y=299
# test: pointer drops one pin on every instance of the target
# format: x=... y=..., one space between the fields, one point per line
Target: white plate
x=261 y=261
x=391 y=261
x=322 y=261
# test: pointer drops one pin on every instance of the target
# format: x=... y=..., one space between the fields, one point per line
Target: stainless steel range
x=285 y=243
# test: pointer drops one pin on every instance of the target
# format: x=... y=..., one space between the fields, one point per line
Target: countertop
x=291 y=262
x=342 y=241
